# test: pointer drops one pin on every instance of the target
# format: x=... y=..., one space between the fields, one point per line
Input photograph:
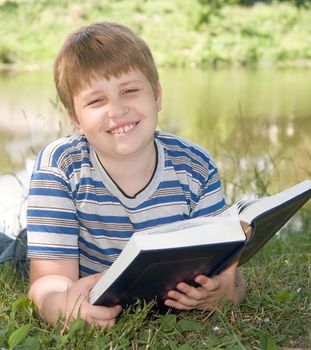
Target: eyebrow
x=90 y=94
x=130 y=82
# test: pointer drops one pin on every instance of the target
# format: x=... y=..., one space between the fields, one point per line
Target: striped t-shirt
x=76 y=211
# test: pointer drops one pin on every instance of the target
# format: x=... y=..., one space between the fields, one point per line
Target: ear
x=76 y=124
x=159 y=97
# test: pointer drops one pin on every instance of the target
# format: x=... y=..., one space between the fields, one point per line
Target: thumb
x=89 y=281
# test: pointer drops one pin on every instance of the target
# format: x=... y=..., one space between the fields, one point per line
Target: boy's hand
x=78 y=304
x=228 y=284
x=57 y=295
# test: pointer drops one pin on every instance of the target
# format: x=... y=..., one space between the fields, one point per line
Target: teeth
x=122 y=129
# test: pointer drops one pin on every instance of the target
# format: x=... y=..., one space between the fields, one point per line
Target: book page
x=177 y=226
x=255 y=208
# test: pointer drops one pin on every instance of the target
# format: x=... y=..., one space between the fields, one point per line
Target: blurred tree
x=216 y=4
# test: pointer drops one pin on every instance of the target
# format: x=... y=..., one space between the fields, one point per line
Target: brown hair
x=100 y=50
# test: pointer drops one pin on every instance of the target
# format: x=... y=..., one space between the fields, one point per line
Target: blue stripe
x=210 y=210
x=48 y=228
x=159 y=221
x=173 y=154
x=44 y=176
x=37 y=191
x=191 y=172
x=55 y=250
x=95 y=259
x=51 y=214
x=106 y=219
x=69 y=149
x=81 y=196
x=105 y=251
x=169 y=199
x=170 y=184
x=88 y=181
x=48 y=176
x=87 y=271
x=99 y=232
x=215 y=186
x=185 y=146
x=74 y=165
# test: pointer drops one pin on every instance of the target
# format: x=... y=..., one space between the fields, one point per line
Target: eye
x=130 y=91
x=95 y=101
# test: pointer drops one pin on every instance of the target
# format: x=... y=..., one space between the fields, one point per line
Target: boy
x=89 y=192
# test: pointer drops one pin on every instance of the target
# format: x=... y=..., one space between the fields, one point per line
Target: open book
x=155 y=260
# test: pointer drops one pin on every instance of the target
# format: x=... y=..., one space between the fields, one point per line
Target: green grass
x=180 y=33
x=275 y=314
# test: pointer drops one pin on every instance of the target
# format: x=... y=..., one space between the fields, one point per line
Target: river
x=256 y=123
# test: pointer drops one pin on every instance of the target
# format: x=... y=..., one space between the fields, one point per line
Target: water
x=257 y=123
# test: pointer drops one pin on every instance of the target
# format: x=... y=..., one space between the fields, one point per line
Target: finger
x=103 y=313
x=205 y=306
x=176 y=305
x=209 y=284
x=104 y=323
x=111 y=323
x=182 y=298
x=190 y=291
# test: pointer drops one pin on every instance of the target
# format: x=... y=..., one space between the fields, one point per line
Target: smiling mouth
x=121 y=130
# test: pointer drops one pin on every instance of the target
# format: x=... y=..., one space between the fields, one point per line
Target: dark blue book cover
x=154 y=272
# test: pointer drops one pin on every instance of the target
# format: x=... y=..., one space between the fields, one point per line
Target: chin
x=126 y=151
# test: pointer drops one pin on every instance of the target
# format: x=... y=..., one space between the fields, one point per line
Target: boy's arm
x=57 y=291
x=227 y=285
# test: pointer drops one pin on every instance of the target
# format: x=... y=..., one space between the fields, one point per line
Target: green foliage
x=18 y=336
x=180 y=33
x=220 y=3
x=7 y=56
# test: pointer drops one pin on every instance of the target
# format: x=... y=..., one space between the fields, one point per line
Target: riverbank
x=180 y=34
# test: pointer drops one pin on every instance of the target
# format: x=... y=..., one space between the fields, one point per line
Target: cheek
x=89 y=121
x=152 y=108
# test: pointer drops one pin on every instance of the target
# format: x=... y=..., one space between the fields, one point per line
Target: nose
x=117 y=108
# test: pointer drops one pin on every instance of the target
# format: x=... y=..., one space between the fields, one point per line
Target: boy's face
x=118 y=116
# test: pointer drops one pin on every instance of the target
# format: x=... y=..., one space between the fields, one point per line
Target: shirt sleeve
x=52 y=225
x=210 y=200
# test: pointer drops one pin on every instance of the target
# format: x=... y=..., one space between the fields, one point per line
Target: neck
x=132 y=174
